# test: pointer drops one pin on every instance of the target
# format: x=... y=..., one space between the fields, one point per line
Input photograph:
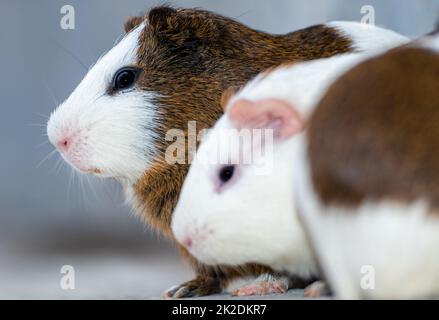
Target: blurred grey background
x=49 y=217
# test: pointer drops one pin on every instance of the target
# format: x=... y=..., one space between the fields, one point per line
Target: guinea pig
x=364 y=179
x=236 y=204
x=171 y=68
x=368 y=188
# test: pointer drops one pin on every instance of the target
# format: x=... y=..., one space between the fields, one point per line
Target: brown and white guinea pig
x=170 y=68
x=236 y=204
x=363 y=177
x=369 y=193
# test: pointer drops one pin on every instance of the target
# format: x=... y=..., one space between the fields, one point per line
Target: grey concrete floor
x=109 y=262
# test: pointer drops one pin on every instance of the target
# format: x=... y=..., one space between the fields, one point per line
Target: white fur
x=368 y=37
x=398 y=241
x=111 y=133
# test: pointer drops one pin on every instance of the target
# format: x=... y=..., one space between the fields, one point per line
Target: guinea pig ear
x=269 y=113
x=227 y=95
x=132 y=22
x=160 y=18
x=184 y=29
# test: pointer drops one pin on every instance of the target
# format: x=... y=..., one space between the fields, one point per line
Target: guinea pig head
x=107 y=117
x=115 y=121
x=236 y=205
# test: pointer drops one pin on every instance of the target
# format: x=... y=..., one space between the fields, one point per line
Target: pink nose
x=64 y=144
x=187 y=241
x=196 y=235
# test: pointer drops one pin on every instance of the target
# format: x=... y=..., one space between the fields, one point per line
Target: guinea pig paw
x=317 y=289
x=171 y=292
x=197 y=287
x=262 y=288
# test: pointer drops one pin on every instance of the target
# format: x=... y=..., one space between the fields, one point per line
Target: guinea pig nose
x=187 y=241
x=64 y=144
x=195 y=235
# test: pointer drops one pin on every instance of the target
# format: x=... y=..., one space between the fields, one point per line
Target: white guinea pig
x=233 y=212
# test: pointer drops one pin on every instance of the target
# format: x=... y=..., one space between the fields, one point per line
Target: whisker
x=47 y=157
x=81 y=188
x=91 y=186
x=46 y=117
x=70 y=53
x=41 y=144
x=36 y=125
x=58 y=166
x=52 y=95
x=242 y=14
x=69 y=185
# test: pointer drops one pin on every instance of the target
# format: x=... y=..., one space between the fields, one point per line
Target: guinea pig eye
x=226 y=173
x=125 y=78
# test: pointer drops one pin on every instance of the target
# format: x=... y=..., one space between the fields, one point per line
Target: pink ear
x=270 y=113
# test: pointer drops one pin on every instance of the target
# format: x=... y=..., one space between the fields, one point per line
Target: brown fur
x=375 y=135
x=190 y=57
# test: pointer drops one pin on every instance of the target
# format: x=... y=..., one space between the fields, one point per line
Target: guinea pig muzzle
x=195 y=235
x=70 y=145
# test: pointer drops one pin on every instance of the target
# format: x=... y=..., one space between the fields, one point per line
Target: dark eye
x=125 y=78
x=226 y=173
